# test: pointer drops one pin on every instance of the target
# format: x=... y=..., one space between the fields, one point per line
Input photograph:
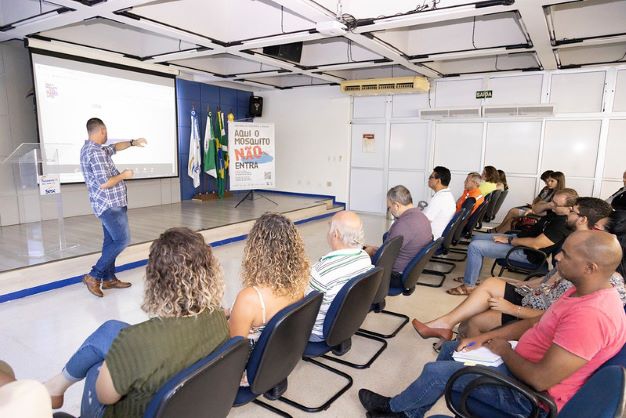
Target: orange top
x=476 y=194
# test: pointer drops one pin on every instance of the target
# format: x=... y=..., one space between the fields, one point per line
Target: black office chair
x=447 y=235
x=278 y=350
x=521 y=267
x=384 y=258
x=457 y=234
x=468 y=230
x=206 y=388
x=498 y=205
x=343 y=319
x=494 y=197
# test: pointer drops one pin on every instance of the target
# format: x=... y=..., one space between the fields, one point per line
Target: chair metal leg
x=405 y=320
x=448 y=257
x=443 y=261
x=433 y=273
x=272 y=408
x=326 y=404
x=367 y=364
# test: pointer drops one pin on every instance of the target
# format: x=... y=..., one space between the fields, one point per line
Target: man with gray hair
x=345 y=261
x=411 y=224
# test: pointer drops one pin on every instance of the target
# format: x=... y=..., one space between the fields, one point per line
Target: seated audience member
x=616 y=225
x=502 y=184
x=546 y=236
x=618 y=199
x=490 y=180
x=557 y=352
x=472 y=181
x=411 y=224
x=119 y=362
x=275 y=272
x=345 y=261
x=22 y=398
x=497 y=301
x=441 y=207
x=552 y=185
x=540 y=208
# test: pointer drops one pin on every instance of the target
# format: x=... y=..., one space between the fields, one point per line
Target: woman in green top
x=124 y=365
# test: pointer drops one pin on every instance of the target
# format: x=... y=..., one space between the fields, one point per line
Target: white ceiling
x=222 y=42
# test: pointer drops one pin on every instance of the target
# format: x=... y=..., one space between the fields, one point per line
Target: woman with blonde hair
x=124 y=365
x=275 y=272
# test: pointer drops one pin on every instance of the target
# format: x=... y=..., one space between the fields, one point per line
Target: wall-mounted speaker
x=256 y=106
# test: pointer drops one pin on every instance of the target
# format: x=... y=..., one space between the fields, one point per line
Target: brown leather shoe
x=114 y=283
x=93 y=285
x=427 y=332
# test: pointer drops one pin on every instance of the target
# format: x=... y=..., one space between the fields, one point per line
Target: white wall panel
x=367 y=190
x=619 y=102
x=408 y=105
x=615 y=159
x=369 y=107
x=577 y=92
x=571 y=147
x=362 y=154
x=515 y=90
x=458 y=146
x=521 y=192
x=584 y=187
x=457 y=93
x=609 y=187
x=415 y=181
x=456 y=185
x=408 y=147
x=513 y=146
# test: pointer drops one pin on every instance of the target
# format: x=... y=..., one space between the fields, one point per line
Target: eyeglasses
x=432 y=177
x=571 y=210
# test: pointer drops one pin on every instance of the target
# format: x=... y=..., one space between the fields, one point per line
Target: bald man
x=345 y=261
x=557 y=352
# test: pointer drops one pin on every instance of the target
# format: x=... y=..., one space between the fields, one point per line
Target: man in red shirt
x=472 y=181
x=557 y=352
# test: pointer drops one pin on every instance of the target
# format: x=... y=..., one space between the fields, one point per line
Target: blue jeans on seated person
x=116 y=238
x=424 y=392
x=482 y=246
x=86 y=362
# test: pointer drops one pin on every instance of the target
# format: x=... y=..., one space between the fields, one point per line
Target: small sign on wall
x=49 y=184
x=484 y=94
x=369 y=143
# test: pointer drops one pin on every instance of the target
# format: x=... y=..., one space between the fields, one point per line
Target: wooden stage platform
x=30 y=261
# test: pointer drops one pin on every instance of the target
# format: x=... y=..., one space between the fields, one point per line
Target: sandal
x=459 y=279
x=460 y=290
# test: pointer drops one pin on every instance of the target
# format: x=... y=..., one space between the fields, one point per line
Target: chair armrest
x=488 y=376
x=544 y=256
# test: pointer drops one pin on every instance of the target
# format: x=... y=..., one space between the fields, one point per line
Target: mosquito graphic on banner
x=193 y=166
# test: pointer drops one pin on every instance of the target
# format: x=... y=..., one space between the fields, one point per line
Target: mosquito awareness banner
x=251 y=149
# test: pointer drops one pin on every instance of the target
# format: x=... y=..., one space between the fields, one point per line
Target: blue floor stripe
x=129 y=266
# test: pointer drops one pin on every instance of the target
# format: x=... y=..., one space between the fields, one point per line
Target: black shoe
x=374 y=402
x=385 y=415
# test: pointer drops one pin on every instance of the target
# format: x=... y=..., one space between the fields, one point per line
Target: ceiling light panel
x=489 y=31
x=597 y=54
x=117 y=37
x=12 y=11
x=232 y=21
x=225 y=64
x=590 y=18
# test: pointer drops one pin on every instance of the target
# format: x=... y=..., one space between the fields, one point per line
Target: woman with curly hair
x=124 y=365
x=275 y=272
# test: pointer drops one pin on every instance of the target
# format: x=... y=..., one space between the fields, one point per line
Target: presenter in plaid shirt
x=107 y=195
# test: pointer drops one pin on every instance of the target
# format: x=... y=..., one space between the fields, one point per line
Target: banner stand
x=250 y=195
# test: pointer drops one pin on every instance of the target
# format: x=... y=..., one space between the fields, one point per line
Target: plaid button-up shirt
x=98 y=167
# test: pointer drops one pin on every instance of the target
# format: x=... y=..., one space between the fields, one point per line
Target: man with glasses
x=545 y=236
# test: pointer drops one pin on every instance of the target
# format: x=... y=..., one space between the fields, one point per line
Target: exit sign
x=484 y=94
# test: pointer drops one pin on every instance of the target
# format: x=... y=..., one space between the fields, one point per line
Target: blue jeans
x=422 y=394
x=116 y=238
x=483 y=245
x=85 y=364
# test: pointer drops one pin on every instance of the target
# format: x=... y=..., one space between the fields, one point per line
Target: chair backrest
x=348 y=309
x=210 y=384
x=469 y=205
x=282 y=343
x=493 y=200
x=384 y=258
x=451 y=228
x=498 y=205
x=602 y=396
x=416 y=266
x=476 y=217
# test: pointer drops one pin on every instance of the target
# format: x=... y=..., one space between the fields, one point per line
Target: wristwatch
x=510 y=239
x=132 y=142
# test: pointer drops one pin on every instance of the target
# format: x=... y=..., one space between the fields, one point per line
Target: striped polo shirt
x=329 y=275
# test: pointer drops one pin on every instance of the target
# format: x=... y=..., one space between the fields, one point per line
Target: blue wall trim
x=321 y=196
x=129 y=266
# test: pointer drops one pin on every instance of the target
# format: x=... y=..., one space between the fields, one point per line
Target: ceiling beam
x=534 y=20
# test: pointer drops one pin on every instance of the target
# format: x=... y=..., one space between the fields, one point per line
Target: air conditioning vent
x=379 y=86
x=538 y=110
x=438 y=114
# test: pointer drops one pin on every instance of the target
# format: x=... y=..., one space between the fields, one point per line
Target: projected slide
x=131 y=104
